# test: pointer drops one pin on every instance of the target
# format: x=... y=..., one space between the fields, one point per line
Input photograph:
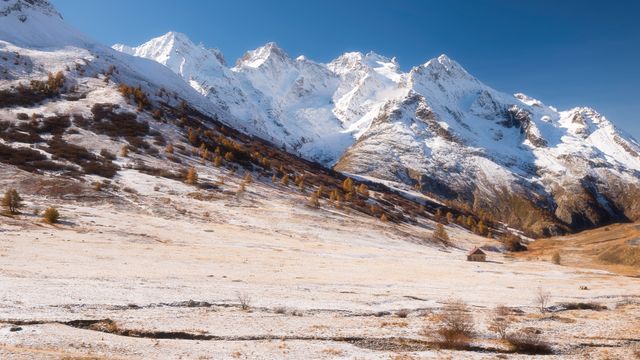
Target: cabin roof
x=476 y=250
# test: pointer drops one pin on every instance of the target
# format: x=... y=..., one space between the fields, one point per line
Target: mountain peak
x=257 y=57
x=356 y=60
x=443 y=62
x=22 y=8
x=166 y=46
x=37 y=24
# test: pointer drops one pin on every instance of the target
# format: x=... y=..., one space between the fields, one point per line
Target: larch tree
x=12 y=201
x=363 y=190
x=192 y=176
x=347 y=185
x=440 y=234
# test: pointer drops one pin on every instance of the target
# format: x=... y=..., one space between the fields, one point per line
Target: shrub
x=402 y=313
x=12 y=201
x=456 y=325
x=583 y=306
x=500 y=322
x=244 y=300
x=101 y=168
x=280 y=310
x=136 y=94
x=528 y=343
x=555 y=258
x=513 y=242
x=51 y=215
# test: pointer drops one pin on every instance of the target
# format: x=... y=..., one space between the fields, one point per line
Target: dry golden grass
x=401 y=324
x=606 y=248
x=333 y=352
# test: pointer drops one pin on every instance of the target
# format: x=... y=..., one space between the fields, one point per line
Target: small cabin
x=476 y=254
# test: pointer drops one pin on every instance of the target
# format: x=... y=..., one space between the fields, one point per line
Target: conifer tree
x=363 y=190
x=347 y=185
x=217 y=161
x=384 y=218
x=438 y=215
x=124 y=151
x=192 y=176
x=12 y=201
x=449 y=217
x=285 y=180
x=482 y=228
x=440 y=234
x=314 y=201
x=248 y=178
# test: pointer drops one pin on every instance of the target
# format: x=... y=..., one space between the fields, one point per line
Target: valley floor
x=157 y=274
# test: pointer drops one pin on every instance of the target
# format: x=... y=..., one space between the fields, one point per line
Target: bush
x=500 y=321
x=12 y=201
x=244 y=299
x=583 y=306
x=456 y=325
x=51 y=215
x=528 y=343
x=513 y=242
x=136 y=94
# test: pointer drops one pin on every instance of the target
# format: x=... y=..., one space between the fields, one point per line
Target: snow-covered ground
x=139 y=259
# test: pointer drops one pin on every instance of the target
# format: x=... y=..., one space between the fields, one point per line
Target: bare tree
x=542 y=299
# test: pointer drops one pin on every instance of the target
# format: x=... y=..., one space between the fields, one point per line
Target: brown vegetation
x=456 y=325
x=51 y=215
x=528 y=343
x=12 y=201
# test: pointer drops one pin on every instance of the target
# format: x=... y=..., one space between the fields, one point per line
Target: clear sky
x=563 y=52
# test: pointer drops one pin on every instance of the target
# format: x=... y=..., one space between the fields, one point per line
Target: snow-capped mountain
x=436 y=128
x=453 y=136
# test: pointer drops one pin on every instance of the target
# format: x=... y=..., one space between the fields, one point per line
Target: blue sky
x=565 y=53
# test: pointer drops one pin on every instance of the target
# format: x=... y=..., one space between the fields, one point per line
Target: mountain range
x=434 y=130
